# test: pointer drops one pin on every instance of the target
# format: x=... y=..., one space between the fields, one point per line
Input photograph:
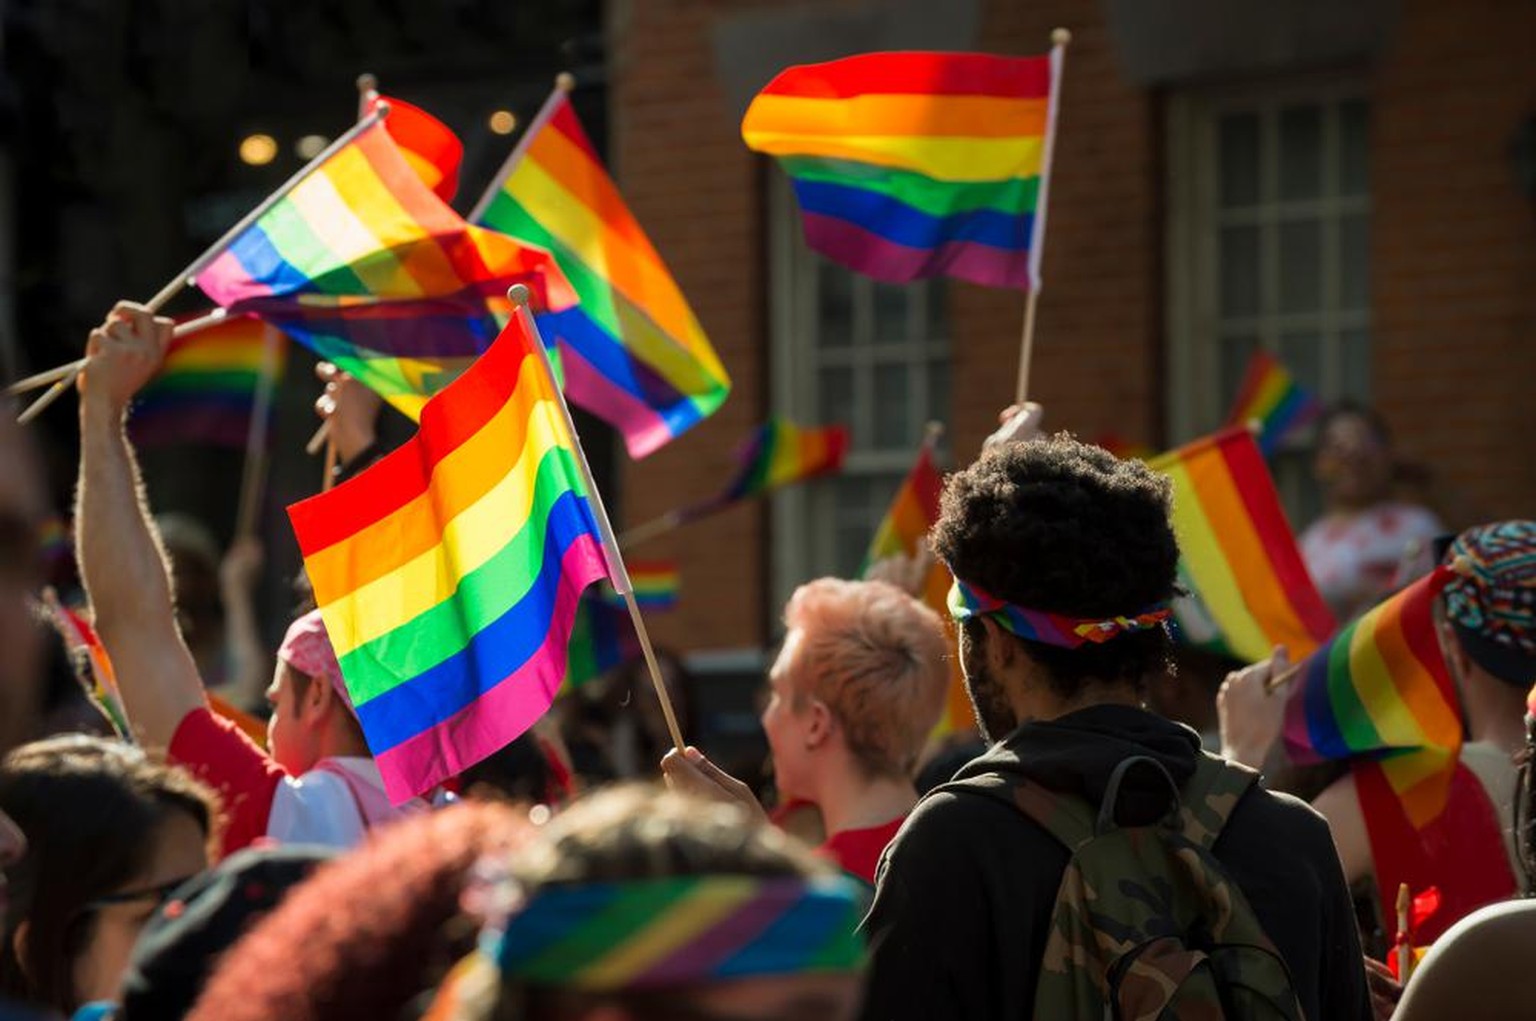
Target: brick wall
x=1454 y=251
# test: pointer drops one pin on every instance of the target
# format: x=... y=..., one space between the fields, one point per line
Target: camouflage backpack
x=1147 y=925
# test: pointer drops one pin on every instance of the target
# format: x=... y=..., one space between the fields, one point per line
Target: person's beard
x=989 y=702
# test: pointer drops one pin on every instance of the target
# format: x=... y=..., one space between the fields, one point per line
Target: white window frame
x=794 y=390
x=1195 y=399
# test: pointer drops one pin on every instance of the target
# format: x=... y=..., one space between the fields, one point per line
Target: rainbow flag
x=1239 y=556
x=1270 y=395
x=1380 y=690
x=429 y=146
x=1124 y=449
x=656 y=586
x=632 y=352
x=602 y=637
x=206 y=389
x=780 y=453
x=449 y=573
x=92 y=665
x=363 y=263
x=910 y=165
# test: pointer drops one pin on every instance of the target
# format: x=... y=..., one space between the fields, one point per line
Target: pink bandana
x=307 y=648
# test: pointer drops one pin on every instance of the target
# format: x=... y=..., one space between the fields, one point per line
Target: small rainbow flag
x=362 y=262
x=1124 y=449
x=910 y=165
x=781 y=453
x=1270 y=395
x=656 y=585
x=632 y=352
x=429 y=146
x=93 y=667
x=1380 y=690
x=1239 y=556
x=205 y=391
x=449 y=573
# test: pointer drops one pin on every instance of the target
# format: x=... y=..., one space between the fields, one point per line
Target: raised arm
x=121 y=562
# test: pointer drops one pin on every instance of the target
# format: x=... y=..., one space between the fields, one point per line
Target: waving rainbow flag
x=205 y=391
x=632 y=352
x=1270 y=395
x=428 y=145
x=781 y=453
x=1380 y=690
x=1238 y=554
x=449 y=573
x=911 y=165
x=363 y=263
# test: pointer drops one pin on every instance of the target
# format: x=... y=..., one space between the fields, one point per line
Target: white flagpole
x=618 y=574
x=1059 y=39
x=564 y=83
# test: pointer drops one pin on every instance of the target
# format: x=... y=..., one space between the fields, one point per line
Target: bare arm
x=1341 y=807
x=119 y=553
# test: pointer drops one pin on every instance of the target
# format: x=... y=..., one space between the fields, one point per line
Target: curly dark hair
x=1065 y=527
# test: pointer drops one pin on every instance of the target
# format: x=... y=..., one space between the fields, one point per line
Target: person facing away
x=1487 y=632
x=110 y=832
x=1052 y=541
x=1357 y=549
x=319 y=783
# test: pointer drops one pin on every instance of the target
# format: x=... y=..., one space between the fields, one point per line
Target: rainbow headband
x=967 y=601
x=680 y=931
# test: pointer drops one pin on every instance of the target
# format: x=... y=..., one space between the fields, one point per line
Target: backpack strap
x=1210 y=797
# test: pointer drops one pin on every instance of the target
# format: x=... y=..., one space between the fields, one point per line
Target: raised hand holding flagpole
x=618 y=574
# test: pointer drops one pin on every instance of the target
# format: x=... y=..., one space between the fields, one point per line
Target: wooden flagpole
x=565 y=82
x=253 y=477
x=1059 y=40
x=197 y=265
x=618 y=574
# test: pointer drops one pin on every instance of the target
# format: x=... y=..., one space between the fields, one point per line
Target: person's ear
x=820 y=724
x=19 y=946
x=998 y=650
x=317 y=698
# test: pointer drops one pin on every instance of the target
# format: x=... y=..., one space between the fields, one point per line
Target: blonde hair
x=875 y=657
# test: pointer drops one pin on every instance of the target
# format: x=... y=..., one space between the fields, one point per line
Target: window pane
x=1239 y=261
x=893 y=407
x=1302 y=353
x=1236 y=350
x=854 y=520
x=1354 y=148
x=1354 y=262
x=938 y=392
x=890 y=313
x=1238 y=145
x=1301 y=152
x=835 y=314
x=1301 y=266
x=936 y=307
x=1355 y=353
x=836 y=397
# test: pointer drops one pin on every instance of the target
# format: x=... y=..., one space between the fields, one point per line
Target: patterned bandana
x=307 y=648
x=1493 y=602
x=967 y=601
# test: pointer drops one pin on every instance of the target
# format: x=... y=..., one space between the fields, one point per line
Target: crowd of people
x=1079 y=855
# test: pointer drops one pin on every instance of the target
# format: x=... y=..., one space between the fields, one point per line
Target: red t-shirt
x=857 y=852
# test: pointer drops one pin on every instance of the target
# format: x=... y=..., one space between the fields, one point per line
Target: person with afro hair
x=1065 y=565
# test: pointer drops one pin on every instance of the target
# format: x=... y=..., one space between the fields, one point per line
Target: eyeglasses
x=159 y=894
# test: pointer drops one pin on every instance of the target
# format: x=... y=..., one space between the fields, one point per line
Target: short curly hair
x=1064 y=527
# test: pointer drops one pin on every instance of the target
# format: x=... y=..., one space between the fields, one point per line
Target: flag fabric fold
x=449 y=573
x=910 y=165
x=1238 y=556
x=631 y=350
x=1271 y=396
x=1380 y=690
x=429 y=146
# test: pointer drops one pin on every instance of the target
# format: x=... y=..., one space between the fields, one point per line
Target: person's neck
x=341 y=745
x=849 y=799
x=1038 y=702
x=1495 y=712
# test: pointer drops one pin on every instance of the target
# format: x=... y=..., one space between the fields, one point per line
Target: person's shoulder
x=964 y=819
x=1262 y=809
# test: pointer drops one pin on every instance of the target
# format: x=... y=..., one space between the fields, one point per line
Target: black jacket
x=964 y=893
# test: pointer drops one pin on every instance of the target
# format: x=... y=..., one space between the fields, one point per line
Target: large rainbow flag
x=449 y=573
x=363 y=263
x=205 y=391
x=1380 y=690
x=911 y=165
x=1239 y=555
x=1270 y=395
x=632 y=352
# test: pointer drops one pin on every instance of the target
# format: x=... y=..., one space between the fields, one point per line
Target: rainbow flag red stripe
x=1380 y=689
x=910 y=165
x=429 y=146
x=1270 y=395
x=1238 y=553
x=205 y=391
x=449 y=573
x=632 y=351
